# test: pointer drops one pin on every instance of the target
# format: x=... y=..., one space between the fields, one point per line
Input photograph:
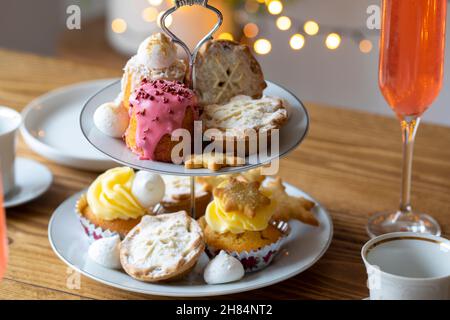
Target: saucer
x=32 y=180
x=50 y=127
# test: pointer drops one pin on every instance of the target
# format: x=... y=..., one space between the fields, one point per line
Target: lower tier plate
x=305 y=246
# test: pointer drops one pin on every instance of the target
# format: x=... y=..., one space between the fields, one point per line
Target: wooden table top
x=350 y=162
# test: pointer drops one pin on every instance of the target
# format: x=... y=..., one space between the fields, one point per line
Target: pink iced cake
x=157 y=108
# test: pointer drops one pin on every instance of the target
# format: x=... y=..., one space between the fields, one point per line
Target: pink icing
x=160 y=107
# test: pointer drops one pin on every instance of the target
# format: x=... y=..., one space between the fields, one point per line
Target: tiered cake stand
x=291 y=135
x=296 y=257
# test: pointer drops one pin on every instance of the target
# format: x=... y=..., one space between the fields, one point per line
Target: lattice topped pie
x=226 y=69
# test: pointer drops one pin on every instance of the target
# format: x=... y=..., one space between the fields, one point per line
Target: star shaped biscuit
x=209 y=183
x=241 y=196
x=289 y=207
x=212 y=161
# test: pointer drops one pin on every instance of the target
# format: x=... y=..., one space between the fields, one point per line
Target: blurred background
x=322 y=50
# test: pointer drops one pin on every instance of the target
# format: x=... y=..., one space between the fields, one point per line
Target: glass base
x=381 y=223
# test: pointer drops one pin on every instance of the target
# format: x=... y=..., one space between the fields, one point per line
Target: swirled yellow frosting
x=222 y=221
x=109 y=196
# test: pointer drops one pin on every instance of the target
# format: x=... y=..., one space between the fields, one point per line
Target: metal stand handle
x=192 y=55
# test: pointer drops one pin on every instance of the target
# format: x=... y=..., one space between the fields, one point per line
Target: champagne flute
x=3 y=237
x=410 y=78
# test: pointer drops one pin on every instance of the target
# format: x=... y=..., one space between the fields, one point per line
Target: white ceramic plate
x=32 y=180
x=51 y=127
x=304 y=247
x=291 y=135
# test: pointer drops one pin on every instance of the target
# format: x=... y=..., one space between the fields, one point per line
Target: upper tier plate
x=291 y=135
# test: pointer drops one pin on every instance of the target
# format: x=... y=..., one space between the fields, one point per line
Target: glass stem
x=409 y=129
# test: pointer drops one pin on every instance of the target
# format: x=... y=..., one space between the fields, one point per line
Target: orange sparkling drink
x=412 y=54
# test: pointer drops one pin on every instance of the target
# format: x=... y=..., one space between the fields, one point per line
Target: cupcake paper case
x=117 y=200
x=256 y=260
x=92 y=231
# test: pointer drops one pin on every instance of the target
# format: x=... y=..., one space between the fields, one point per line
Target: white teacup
x=408 y=266
x=10 y=121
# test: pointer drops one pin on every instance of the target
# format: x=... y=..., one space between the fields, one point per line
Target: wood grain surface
x=350 y=162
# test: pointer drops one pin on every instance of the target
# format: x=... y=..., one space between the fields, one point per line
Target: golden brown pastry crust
x=178 y=196
x=212 y=161
x=242 y=121
x=201 y=202
x=184 y=264
x=289 y=207
x=211 y=182
x=226 y=69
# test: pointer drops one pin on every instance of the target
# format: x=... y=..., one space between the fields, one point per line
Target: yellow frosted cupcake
x=238 y=221
x=117 y=200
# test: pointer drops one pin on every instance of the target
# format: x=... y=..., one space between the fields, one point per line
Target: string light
x=333 y=41
x=155 y=2
x=251 y=30
x=297 y=41
x=365 y=46
x=311 y=28
x=275 y=7
x=284 y=23
x=169 y=19
x=118 y=25
x=262 y=46
x=150 y=14
x=226 y=36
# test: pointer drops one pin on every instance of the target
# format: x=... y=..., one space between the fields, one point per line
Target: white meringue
x=223 y=268
x=106 y=252
x=157 y=52
x=148 y=188
x=112 y=119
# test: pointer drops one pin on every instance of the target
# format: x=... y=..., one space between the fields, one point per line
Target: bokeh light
x=226 y=36
x=262 y=46
x=155 y=2
x=118 y=25
x=365 y=46
x=284 y=23
x=150 y=14
x=297 y=41
x=251 y=30
x=275 y=7
x=311 y=27
x=333 y=41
